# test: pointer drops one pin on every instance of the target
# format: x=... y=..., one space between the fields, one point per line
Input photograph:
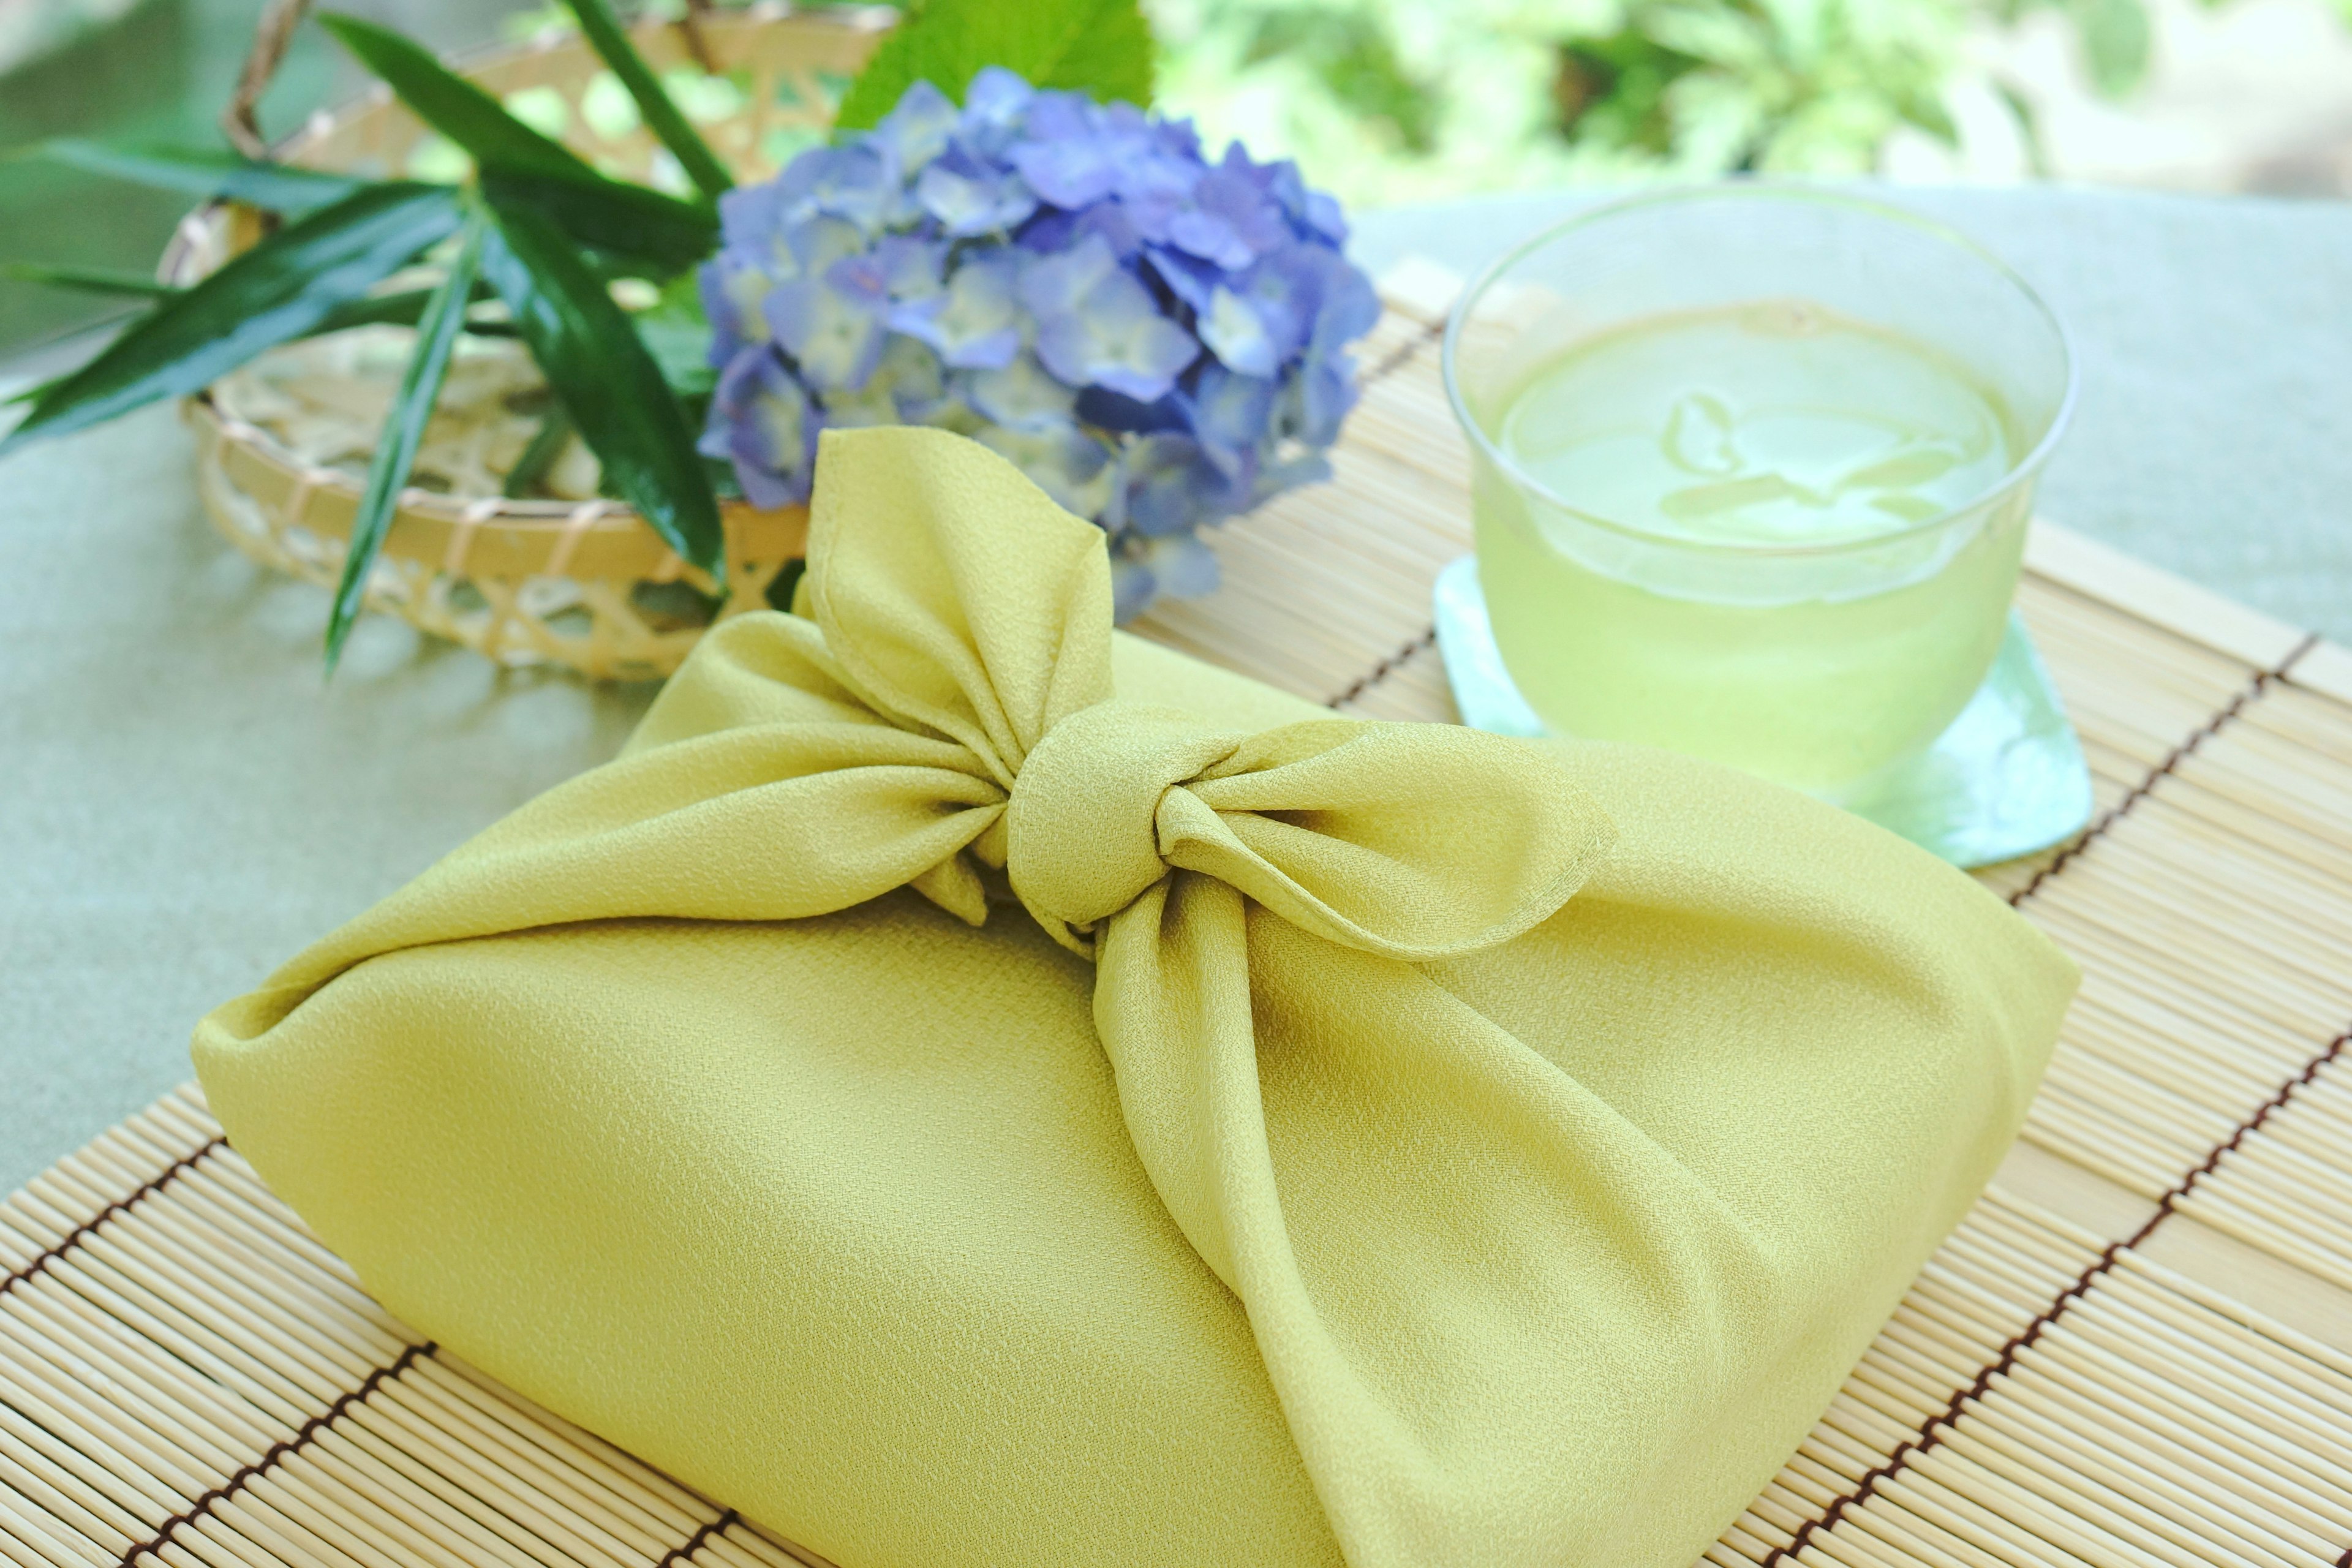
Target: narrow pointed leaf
x=32 y=393
x=400 y=309
x=609 y=385
x=403 y=431
x=285 y=288
x=630 y=223
x=404 y=308
x=87 y=279
x=278 y=187
x=519 y=165
x=454 y=106
x=662 y=117
x=546 y=445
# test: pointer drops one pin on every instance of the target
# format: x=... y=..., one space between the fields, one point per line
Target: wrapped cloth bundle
x=1374 y=1143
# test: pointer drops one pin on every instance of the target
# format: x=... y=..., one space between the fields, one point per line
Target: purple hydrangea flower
x=760 y=420
x=966 y=196
x=1157 y=341
x=975 y=321
x=1097 y=325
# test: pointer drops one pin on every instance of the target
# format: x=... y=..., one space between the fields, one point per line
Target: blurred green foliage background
x=1381 y=101
x=1396 y=99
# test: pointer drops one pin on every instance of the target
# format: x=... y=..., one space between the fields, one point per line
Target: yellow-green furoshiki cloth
x=966 y=1087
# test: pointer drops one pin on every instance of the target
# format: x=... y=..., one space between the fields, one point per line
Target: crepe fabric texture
x=966 y=1087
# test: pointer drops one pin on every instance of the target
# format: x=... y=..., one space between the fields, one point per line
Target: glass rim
x=1744 y=189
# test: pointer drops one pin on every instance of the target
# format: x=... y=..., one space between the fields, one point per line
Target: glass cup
x=1727 y=497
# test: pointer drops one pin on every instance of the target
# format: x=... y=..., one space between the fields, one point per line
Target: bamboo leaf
x=629 y=222
x=1098 y=46
x=403 y=431
x=454 y=106
x=604 y=34
x=399 y=309
x=206 y=175
x=285 y=288
x=546 y=445
x=520 y=166
x=87 y=279
x=404 y=308
x=32 y=393
x=609 y=385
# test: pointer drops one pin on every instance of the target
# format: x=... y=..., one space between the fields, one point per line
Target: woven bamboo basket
x=586 y=585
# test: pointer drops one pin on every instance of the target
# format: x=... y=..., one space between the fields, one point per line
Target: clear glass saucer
x=2008 y=778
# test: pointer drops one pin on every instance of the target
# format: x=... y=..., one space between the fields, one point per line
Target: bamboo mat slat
x=2135 y=1353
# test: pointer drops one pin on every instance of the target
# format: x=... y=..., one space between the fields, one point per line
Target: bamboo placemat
x=2136 y=1352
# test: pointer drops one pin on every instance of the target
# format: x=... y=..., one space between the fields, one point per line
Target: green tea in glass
x=1752 y=470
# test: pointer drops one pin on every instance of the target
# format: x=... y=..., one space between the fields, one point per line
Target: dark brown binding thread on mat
x=684 y=1554
x=73 y=1238
x=2173 y=759
x=278 y=1453
x=1931 y=1432
x=1385 y=668
x=1389 y=365
x=1393 y=361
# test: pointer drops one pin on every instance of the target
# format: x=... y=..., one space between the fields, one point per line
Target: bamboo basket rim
x=746 y=524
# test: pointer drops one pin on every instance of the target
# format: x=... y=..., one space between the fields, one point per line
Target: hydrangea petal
x=917 y=382
x=1020 y=396
x=762 y=421
x=1098 y=326
x=1059 y=284
x=831 y=325
x=916 y=130
x=1132 y=585
x=975 y=323
x=1229 y=414
x=969 y=198
x=854 y=183
x=1066 y=173
x=1181 y=564
x=1236 y=335
x=1069 y=464
x=1171 y=486
x=993 y=106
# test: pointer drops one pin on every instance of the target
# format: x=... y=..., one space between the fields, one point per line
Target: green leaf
x=1923 y=108
x=682 y=349
x=32 y=393
x=403 y=431
x=546 y=445
x=206 y=175
x=1356 y=59
x=1098 y=46
x=87 y=279
x=661 y=116
x=520 y=166
x=454 y=106
x=2029 y=126
x=632 y=225
x=399 y=309
x=1716 y=36
x=2114 y=43
x=283 y=288
x=404 y=308
x=587 y=348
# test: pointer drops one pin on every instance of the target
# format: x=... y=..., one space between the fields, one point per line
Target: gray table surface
x=182 y=804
